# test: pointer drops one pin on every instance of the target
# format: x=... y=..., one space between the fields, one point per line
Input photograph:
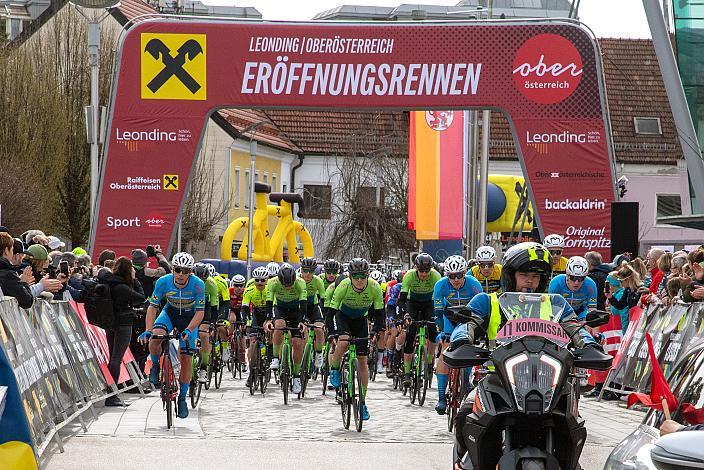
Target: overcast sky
x=608 y=18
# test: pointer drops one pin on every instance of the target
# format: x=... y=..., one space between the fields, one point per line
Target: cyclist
x=331 y=269
x=316 y=299
x=212 y=303
x=184 y=297
x=273 y=269
x=378 y=276
x=396 y=336
x=237 y=287
x=254 y=305
x=487 y=272
x=456 y=288
x=527 y=267
x=416 y=302
x=576 y=286
x=351 y=302
x=555 y=244
x=286 y=303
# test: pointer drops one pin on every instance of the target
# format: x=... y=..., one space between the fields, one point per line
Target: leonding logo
x=547 y=69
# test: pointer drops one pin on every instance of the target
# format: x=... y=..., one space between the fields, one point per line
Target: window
x=236 y=189
x=668 y=205
x=256 y=176
x=266 y=178
x=273 y=182
x=317 y=201
x=246 y=196
x=283 y=188
x=367 y=197
x=647 y=125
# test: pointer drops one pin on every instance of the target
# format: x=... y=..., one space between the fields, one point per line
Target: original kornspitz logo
x=439 y=120
x=547 y=68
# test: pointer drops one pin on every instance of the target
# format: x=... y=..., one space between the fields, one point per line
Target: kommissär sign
x=172 y=74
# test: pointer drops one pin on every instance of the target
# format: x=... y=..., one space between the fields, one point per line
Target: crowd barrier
x=674 y=329
x=60 y=363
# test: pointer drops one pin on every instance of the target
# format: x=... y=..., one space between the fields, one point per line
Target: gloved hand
x=186 y=335
x=144 y=337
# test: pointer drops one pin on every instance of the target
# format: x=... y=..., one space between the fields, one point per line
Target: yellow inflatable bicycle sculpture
x=270 y=246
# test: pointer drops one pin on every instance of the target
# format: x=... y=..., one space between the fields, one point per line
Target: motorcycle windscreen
x=532 y=314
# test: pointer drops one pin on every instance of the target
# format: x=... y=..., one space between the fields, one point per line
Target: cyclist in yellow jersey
x=254 y=303
x=487 y=271
x=555 y=244
x=316 y=298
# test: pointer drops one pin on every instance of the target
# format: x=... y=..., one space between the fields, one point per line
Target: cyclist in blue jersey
x=395 y=335
x=184 y=295
x=456 y=288
x=578 y=289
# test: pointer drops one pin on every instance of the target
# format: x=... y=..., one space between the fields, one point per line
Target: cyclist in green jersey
x=287 y=305
x=351 y=302
x=331 y=269
x=254 y=302
x=212 y=303
x=416 y=301
x=316 y=298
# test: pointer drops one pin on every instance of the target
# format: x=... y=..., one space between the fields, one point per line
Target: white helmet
x=273 y=269
x=183 y=260
x=377 y=275
x=237 y=281
x=455 y=264
x=211 y=270
x=486 y=254
x=298 y=271
x=577 y=266
x=260 y=272
x=554 y=241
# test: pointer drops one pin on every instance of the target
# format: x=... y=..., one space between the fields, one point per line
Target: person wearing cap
x=78 y=251
x=38 y=259
x=11 y=283
x=147 y=276
x=55 y=243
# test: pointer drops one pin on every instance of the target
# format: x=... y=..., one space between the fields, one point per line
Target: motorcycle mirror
x=592 y=358
x=678 y=450
x=597 y=318
x=465 y=355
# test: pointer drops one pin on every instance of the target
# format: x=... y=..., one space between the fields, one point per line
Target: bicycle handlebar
x=312 y=325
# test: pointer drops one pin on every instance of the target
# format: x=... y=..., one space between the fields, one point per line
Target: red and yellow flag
x=437 y=174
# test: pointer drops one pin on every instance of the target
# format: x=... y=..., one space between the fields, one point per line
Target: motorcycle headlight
x=523 y=378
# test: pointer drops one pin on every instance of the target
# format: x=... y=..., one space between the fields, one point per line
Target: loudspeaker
x=624 y=228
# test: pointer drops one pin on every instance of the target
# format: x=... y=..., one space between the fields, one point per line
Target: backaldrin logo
x=547 y=69
x=575 y=204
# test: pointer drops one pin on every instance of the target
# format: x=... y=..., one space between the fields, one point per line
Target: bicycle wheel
x=166 y=389
x=371 y=361
x=209 y=371
x=285 y=374
x=357 y=396
x=450 y=397
x=264 y=372
x=423 y=381
x=305 y=370
x=255 y=367
x=324 y=372
x=219 y=369
x=343 y=392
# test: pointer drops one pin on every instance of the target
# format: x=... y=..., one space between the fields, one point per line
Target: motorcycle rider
x=526 y=267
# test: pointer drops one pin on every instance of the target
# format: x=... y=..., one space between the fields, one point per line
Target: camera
x=63 y=268
x=151 y=252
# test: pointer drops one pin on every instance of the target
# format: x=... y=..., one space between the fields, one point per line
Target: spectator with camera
x=11 y=283
x=147 y=275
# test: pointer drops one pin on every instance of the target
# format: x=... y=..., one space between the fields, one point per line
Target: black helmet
x=201 y=271
x=528 y=257
x=309 y=263
x=287 y=275
x=358 y=265
x=423 y=262
x=331 y=266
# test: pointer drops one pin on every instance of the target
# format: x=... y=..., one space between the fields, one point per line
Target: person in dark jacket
x=10 y=282
x=126 y=292
x=598 y=270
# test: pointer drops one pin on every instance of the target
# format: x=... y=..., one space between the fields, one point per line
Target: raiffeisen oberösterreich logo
x=547 y=69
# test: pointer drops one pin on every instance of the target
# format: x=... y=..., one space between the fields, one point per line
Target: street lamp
x=92 y=114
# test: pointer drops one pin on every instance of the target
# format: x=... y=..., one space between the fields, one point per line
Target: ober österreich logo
x=547 y=69
x=173 y=66
x=439 y=120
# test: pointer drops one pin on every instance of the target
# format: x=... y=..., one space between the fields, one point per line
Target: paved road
x=261 y=430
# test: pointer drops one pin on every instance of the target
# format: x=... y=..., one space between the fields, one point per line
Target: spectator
x=654 y=277
x=146 y=275
x=34 y=237
x=126 y=292
x=665 y=266
x=639 y=266
x=598 y=271
x=84 y=266
x=693 y=288
x=38 y=259
x=669 y=426
x=55 y=244
x=620 y=282
x=10 y=282
x=104 y=256
x=78 y=251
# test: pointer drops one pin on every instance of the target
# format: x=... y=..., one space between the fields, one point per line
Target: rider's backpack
x=97 y=301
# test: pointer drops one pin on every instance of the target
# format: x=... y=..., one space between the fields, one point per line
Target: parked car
x=687 y=383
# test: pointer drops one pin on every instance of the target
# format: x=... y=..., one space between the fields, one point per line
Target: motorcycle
x=524 y=412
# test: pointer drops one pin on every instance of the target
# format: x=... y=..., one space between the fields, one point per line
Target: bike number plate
x=522 y=327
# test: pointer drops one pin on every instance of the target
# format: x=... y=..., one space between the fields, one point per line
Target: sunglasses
x=238 y=286
x=576 y=278
x=331 y=273
x=555 y=252
x=308 y=271
x=424 y=270
x=486 y=265
x=456 y=276
x=261 y=280
x=359 y=276
x=182 y=270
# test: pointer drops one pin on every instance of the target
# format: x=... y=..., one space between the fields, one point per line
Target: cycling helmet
x=455 y=264
x=526 y=257
x=486 y=254
x=260 y=273
x=423 y=262
x=378 y=276
x=200 y=270
x=439 y=267
x=554 y=241
x=309 y=263
x=298 y=271
x=287 y=275
x=331 y=266
x=237 y=281
x=358 y=265
x=183 y=260
x=577 y=266
x=273 y=269
x=211 y=270
x=396 y=274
